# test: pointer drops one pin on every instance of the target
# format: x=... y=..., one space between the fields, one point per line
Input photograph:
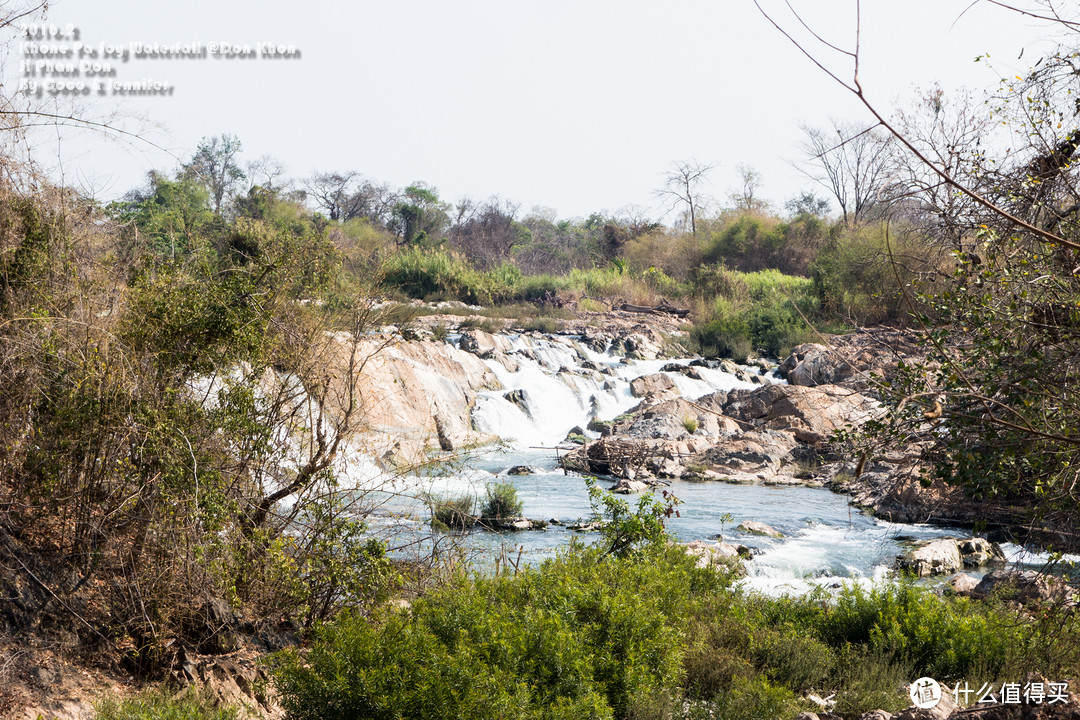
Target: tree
x=682 y=187
x=487 y=232
x=807 y=204
x=995 y=402
x=420 y=215
x=853 y=162
x=745 y=198
x=216 y=165
x=334 y=192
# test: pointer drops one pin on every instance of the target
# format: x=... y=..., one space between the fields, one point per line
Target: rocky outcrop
x=484 y=344
x=811 y=413
x=948 y=555
x=743 y=436
x=416 y=396
x=857 y=360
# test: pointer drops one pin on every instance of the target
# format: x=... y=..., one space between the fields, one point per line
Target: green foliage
x=424 y=273
x=760 y=311
x=452 y=512
x=501 y=502
x=626 y=532
x=171 y=218
x=861 y=272
x=581 y=636
x=161 y=705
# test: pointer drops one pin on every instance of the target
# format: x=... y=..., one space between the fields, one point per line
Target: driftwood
x=664 y=308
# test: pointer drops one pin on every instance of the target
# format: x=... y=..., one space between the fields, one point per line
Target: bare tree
x=266 y=171
x=745 y=198
x=682 y=187
x=486 y=232
x=333 y=192
x=853 y=162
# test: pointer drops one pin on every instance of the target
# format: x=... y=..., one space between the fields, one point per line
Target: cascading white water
x=558 y=393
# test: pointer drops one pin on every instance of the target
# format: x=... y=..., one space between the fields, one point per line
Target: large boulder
x=812 y=364
x=811 y=413
x=752 y=452
x=676 y=418
x=936 y=557
x=656 y=385
x=1024 y=586
x=948 y=555
x=753 y=527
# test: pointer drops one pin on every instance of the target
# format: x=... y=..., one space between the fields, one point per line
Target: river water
x=825 y=540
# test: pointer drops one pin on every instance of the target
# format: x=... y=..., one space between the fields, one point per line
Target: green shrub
x=452 y=513
x=582 y=636
x=501 y=502
x=159 y=705
x=725 y=338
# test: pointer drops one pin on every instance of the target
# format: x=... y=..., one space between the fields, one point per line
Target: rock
x=936 y=557
x=730 y=367
x=750 y=452
x=520 y=470
x=626 y=486
x=403 y=387
x=759 y=528
x=945 y=707
x=599 y=426
x=520 y=398
x=1024 y=586
x=576 y=436
x=876 y=715
x=655 y=385
x=713 y=554
x=483 y=344
x=947 y=555
x=977 y=552
x=963 y=584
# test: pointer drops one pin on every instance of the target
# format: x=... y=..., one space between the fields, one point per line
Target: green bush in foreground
x=631 y=628
x=159 y=705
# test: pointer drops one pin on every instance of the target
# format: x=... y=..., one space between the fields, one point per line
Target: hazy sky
x=578 y=106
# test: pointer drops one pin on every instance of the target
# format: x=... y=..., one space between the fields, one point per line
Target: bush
x=452 y=513
x=159 y=705
x=501 y=502
x=583 y=636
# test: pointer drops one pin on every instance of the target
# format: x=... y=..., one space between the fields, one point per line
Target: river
x=826 y=541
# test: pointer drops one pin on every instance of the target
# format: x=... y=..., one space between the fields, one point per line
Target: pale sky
x=577 y=106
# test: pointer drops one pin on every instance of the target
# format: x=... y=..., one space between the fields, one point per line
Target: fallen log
x=661 y=309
